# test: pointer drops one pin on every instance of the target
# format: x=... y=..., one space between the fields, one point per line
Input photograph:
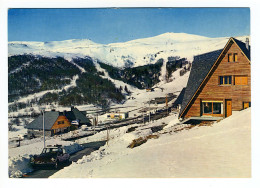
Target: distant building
x=56 y=122
x=149 y=89
x=219 y=82
x=77 y=116
x=118 y=115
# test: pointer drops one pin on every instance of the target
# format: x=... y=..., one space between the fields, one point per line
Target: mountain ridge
x=138 y=52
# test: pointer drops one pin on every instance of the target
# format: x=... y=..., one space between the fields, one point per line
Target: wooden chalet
x=54 y=123
x=219 y=82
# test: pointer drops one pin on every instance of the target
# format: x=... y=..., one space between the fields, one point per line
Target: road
x=47 y=172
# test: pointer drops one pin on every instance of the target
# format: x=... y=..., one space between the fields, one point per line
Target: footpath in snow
x=222 y=149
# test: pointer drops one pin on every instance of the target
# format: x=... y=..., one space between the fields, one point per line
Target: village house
x=118 y=115
x=77 y=116
x=56 y=122
x=219 y=83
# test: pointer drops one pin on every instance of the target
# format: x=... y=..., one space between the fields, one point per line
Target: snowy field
x=220 y=150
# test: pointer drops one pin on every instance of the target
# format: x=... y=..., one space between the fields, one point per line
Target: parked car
x=50 y=156
x=75 y=122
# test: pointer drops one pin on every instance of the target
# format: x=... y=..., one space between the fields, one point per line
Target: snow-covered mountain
x=136 y=52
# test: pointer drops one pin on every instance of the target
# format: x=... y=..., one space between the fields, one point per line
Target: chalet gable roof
x=242 y=47
x=49 y=120
x=200 y=67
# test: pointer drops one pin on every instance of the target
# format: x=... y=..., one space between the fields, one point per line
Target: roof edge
x=234 y=40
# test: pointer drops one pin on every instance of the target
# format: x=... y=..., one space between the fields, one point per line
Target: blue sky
x=120 y=25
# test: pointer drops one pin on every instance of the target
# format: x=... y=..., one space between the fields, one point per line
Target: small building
x=54 y=123
x=57 y=122
x=219 y=82
x=118 y=115
x=149 y=89
x=77 y=116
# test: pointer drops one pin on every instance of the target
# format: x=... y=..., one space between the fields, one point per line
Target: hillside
x=220 y=150
x=45 y=80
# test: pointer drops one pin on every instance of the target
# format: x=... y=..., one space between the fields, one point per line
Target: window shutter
x=235 y=57
x=229 y=57
x=241 y=80
x=244 y=80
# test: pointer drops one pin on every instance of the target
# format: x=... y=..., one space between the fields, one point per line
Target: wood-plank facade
x=62 y=124
x=226 y=88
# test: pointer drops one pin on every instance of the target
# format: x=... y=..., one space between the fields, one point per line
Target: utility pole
x=95 y=121
x=149 y=111
x=166 y=103
x=43 y=128
x=143 y=114
x=107 y=134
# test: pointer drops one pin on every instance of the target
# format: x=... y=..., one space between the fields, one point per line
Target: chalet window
x=225 y=80
x=212 y=107
x=230 y=58
x=60 y=122
x=235 y=57
x=241 y=80
x=207 y=108
x=217 y=108
x=246 y=105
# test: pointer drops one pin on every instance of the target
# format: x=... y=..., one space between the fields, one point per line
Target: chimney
x=247 y=43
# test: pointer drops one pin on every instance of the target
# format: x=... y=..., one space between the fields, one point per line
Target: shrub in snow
x=137 y=142
x=131 y=129
x=141 y=140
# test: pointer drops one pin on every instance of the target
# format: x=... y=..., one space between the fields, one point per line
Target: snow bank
x=19 y=157
x=220 y=150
